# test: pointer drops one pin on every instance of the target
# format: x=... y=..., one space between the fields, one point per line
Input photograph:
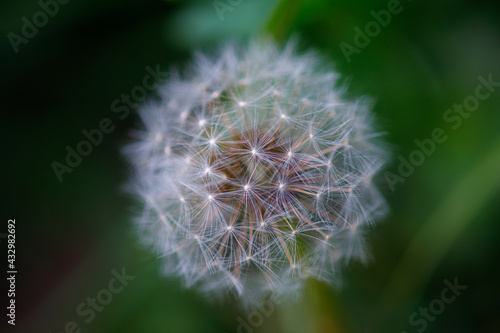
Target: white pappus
x=255 y=172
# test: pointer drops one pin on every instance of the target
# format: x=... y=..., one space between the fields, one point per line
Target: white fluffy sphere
x=255 y=173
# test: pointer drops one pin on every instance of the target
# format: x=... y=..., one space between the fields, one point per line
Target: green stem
x=279 y=25
x=320 y=311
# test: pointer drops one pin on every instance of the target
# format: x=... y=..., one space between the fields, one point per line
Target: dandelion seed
x=233 y=206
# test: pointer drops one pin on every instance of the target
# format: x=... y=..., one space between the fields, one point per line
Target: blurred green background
x=72 y=234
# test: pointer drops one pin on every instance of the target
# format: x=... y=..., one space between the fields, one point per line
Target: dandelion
x=255 y=173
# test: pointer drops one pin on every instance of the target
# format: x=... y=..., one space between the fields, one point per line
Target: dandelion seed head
x=220 y=148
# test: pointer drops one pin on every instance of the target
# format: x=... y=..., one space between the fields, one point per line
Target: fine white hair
x=255 y=172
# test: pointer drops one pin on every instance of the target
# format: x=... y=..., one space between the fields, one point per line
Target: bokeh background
x=445 y=219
